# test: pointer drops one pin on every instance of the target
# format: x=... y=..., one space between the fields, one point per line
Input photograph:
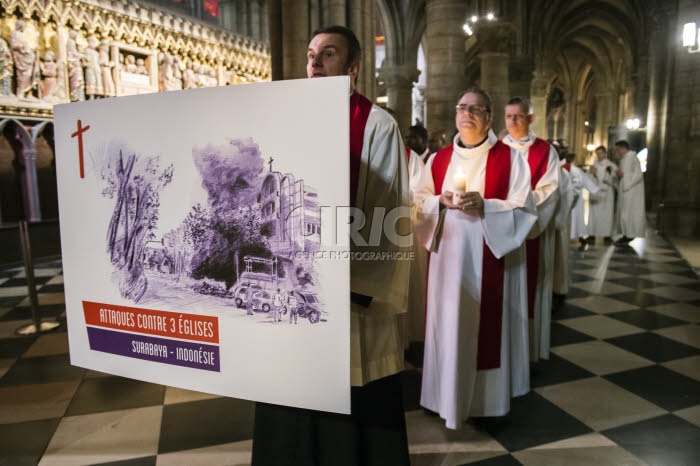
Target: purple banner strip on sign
x=179 y=353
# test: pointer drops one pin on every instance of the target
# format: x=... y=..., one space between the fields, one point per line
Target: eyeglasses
x=476 y=110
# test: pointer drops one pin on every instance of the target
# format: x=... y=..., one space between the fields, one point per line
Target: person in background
x=631 y=215
x=579 y=182
x=601 y=213
x=543 y=161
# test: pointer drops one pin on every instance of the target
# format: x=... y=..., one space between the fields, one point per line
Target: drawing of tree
x=180 y=243
x=231 y=176
x=136 y=183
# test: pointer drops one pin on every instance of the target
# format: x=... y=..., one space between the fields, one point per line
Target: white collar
x=482 y=148
x=521 y=144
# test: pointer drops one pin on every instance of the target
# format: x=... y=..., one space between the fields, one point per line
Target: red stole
x=496 y=186
x=360 y=107
x=408 y=154
x=566 y=166
x=537 y=158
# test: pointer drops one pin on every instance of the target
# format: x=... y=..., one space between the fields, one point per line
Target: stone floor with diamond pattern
x=622 y=386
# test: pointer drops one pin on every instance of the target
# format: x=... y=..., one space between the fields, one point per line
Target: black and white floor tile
x=621 y=387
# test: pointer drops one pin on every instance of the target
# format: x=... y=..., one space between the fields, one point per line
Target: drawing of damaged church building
x=290 y=214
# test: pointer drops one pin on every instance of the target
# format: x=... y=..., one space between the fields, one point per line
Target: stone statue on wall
x=141 y=67
x=212 y=81
x=189 y=79
x=76 y=80
x=177 y=74
x=130 y=64
x=93 y=70
x=49 y=77
x=7 y=68
x=107 y=65
x=26 y=66
x=167 y=77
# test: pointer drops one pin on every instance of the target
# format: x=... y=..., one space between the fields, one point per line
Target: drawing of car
x=240 y=293
x=309 y=306
x=262 y=300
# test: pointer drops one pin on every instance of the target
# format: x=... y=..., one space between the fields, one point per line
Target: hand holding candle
x=459 y=185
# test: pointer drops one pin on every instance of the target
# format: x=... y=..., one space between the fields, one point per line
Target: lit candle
x=459 y=184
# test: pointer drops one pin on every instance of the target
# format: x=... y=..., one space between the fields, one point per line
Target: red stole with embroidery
x=537 y=158
x=496 y=186
x=360 y=107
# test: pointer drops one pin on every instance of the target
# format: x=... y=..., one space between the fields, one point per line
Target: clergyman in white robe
x=631 y=210
x=601 y=207
x=580 y=181
x=452 y=386
x=546 y=194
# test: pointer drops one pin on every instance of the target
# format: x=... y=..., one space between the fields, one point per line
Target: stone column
x=496 y=41
x=444 y=62
x=242 y=17
x=604 y=117
x=538 y=100
x=494 y=80
x=274 y=29
x=337 y=13
x=361 y=19
x=575 y=131
x=660 y=78
x=295 y=38
x=399 y=88
x=265 y=23
x=419 y=104
x=254 y=12
x=29 y=184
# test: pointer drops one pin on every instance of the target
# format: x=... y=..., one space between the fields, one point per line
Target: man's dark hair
x=524 y=102
x=482 y=93
x=622 y=143
x=420 y=131
x=601 y=148
x=354 y=49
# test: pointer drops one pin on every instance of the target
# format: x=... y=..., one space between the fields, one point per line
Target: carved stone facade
x=55 y=51
x=60 y=51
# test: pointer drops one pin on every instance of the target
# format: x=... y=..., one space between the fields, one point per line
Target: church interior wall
x=680 y=214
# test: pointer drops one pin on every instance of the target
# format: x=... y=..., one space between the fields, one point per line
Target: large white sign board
x=183 y=213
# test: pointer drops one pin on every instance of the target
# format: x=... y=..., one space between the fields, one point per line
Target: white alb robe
x=413 y=322
x=452 y=386
x=546 y=194
x=375 y=347
x=601 y=206
x=631 y=210
x=580 y=181
x=562 y=222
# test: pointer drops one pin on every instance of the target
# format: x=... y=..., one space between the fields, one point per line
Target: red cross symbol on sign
x=79 y=135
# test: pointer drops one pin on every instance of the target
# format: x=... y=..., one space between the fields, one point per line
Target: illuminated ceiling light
x=490 y=16
x=633 y=123
x=474 y=18
x=467 y=29
x=585 y=123
x=590 y=147
x=691 y=37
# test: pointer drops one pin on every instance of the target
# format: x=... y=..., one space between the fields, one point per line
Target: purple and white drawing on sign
x=239 y=251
